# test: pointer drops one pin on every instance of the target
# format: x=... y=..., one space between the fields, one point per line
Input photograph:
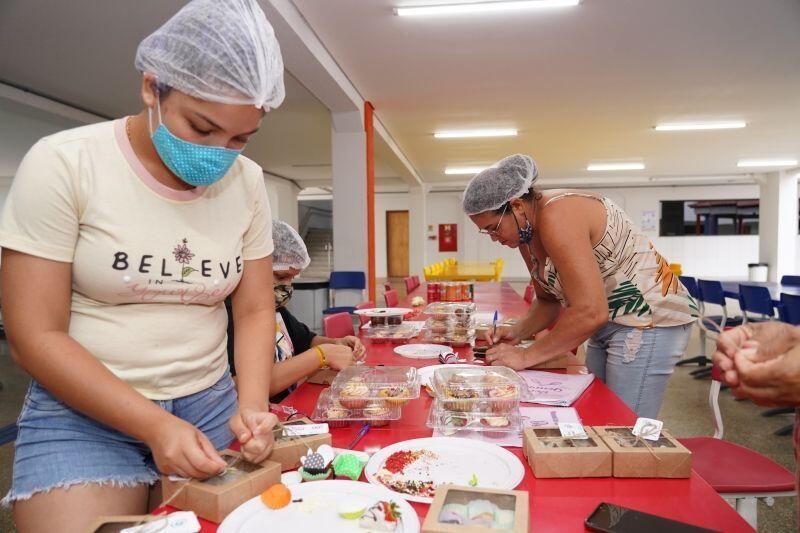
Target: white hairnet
x=509 y=178
x=290 y=250
x=217 y=50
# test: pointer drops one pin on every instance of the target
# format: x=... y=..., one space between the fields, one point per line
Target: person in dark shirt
x=299 y=352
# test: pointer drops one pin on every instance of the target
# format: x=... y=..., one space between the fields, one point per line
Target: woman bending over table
x=299 y=352
x=584 y=255
x=121 y=241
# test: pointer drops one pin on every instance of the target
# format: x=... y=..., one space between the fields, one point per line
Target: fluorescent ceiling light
x=481 y=7
x=702 y=178
x=602 y=167
x=750 y=163
x=699 y=126
x=458 y=134
x=463 y=170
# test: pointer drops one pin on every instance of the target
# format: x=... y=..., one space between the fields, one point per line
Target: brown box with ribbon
x=289 y=449
x=216 y=497
x=553 y=456
x=639 y=457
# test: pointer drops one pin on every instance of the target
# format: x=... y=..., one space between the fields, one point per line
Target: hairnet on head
x=217 y=50
x=490 y=189
x=290 y=250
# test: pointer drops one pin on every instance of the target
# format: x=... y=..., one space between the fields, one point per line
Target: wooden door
x=397 y=243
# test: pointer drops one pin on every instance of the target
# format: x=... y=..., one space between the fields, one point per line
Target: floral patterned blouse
x=641 y=289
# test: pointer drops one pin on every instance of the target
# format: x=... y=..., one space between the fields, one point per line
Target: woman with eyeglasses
x=299 y=352
x=591 y=265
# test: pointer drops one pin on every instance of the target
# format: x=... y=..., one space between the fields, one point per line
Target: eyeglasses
x=497 y=227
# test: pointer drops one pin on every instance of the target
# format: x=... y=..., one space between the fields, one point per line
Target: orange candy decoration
x=277 y=496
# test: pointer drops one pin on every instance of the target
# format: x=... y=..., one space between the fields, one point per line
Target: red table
x=557 y=505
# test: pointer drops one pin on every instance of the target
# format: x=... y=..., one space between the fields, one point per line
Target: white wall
x=283 y=199
x=704 y=256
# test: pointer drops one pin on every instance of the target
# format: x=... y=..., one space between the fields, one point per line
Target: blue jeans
x=58 y=447
x=636 y=363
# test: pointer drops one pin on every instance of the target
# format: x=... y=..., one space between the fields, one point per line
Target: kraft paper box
x=215 y=498
x=506 y=500
x=113 y=524
x=552 y=456
x=288 y=450
x=665 y=458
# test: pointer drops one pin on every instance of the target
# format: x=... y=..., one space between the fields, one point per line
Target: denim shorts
x=58 y=447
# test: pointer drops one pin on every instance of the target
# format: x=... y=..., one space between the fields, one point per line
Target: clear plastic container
x=330 y=410
x=450 y=338
x=391 y=334
x=487 y=422
x=355 y=386
x=461 y=311
x=495 y=389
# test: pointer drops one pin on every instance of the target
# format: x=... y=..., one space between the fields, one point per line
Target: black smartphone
x=609 y=518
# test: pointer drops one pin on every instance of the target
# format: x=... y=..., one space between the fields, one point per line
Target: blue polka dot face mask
x=196 y=164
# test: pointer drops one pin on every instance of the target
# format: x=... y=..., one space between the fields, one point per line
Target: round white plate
x=426 y=373
x=317 y=511
x=458 y=460
x=383 y=311
x=422 y=351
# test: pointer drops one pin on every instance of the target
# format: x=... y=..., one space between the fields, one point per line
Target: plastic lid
x=391 y=333
x=496 y=384
x=477 y=420
x=376 y=383
x=450 y=308
x=329 y=409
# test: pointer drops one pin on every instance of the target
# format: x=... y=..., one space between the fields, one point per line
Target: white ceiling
x=581 y=84
x=81 y=54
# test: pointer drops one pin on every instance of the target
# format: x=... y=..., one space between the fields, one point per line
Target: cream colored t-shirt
x=151 y=266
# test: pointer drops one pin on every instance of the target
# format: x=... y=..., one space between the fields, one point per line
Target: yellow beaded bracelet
x=322 y=362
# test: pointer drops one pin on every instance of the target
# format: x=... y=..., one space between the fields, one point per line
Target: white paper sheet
x=549 y=388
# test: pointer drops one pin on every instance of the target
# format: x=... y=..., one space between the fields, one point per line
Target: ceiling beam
x=41 y=103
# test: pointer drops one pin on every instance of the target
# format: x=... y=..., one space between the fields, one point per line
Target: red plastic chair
x=338 y=325
x=409 y=284
x=387 y=286
x=364 y=305
x=529 y=293
x=416 y=281
x=737 y=473
x=391 y=298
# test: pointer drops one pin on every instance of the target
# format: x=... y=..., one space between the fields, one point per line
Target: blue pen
x=494 y=326
x=361 y=432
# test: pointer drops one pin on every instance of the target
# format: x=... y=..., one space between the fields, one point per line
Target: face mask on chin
x=283 y=293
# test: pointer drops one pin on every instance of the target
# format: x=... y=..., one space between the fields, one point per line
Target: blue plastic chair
x=711 y=292
x=790 y=280
x=344 y=280
x=789 y=309
x=756 y=299
x=694 y=291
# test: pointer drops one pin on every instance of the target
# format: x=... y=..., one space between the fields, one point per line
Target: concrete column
x=777 y=222
x=417 y=229
x=283 y=200
x=349 y=173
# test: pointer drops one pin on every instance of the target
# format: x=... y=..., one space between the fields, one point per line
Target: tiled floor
x=685 y=411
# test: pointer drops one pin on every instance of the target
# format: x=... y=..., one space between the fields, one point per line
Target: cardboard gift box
x=452 y=500
x=553 y=456
x=289 y=449
x=635 y=457
x=216 y=497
